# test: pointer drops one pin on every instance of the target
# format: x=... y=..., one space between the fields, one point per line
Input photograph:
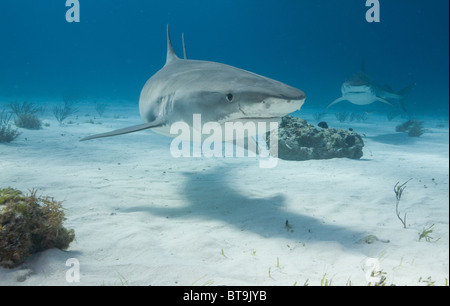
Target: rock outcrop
x=298 y=140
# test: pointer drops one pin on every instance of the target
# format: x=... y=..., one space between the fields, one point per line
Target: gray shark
x=360 y=89
x=220 y=93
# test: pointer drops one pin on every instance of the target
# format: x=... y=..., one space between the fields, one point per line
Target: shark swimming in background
x=220 y=93
x=360 y=89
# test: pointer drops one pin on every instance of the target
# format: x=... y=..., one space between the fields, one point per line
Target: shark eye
x=230 y=97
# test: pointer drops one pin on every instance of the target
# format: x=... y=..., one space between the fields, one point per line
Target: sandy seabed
x=143 y=217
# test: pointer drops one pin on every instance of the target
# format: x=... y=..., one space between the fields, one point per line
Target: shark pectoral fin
x=335 y=101
x=126 y=130
x=384 y=101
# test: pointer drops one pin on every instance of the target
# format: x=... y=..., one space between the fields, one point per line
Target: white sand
x=142 y=217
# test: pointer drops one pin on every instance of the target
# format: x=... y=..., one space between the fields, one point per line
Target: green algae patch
x=30 y=224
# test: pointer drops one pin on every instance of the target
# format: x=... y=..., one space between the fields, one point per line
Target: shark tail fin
x=405 y=93
x=126 y=130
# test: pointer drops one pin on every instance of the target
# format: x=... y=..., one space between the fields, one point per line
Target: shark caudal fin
x=404 y=93
x=126 y=130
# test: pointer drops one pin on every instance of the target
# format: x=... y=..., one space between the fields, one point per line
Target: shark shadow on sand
x=209 y=195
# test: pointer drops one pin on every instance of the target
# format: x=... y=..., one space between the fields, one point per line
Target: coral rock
x=298 y=140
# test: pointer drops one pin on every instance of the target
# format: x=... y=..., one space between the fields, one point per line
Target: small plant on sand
x=413 y=127
x=62 y=112
x=7 y=133
x=381 y=275
x=426 y=234
x=319 y=116
x=5 y=117
x=100 y=108
x=288 y=227
x=341 y=116
x=122 y=279
x=223 y=253
x=325 y=282
x=26 y=116
x=358 y=117
x=29 y=224
x=398 y=189
x=428 y=281
x=416 y=129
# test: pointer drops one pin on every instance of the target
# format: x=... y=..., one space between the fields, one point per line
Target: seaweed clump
x=29 y=224
x=62 y=112
x=413 y=127
x=7 y=133
x=26 y=116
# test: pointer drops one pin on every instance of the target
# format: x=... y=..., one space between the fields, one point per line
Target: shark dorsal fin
x=171 y=56
x=184 y=46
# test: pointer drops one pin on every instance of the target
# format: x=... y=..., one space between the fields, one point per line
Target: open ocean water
x=311 y=45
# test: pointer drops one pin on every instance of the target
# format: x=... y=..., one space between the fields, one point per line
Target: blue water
x=313 y=45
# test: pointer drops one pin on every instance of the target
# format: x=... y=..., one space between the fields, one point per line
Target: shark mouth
x=357 y=91
x=255 y=118
x=240 y=109
x=352 y=89
x=270 y=108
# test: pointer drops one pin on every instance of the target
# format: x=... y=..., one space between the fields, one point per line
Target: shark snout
x=284 y=100
x=292 y=94
x=273 y=104
x=349 y=88
x=281 y=91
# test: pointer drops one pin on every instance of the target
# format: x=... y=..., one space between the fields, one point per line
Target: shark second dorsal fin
x=184 y=46
x=171 y=55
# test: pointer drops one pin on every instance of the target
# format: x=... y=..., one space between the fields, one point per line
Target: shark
x=360 y=89
x=219 y=92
